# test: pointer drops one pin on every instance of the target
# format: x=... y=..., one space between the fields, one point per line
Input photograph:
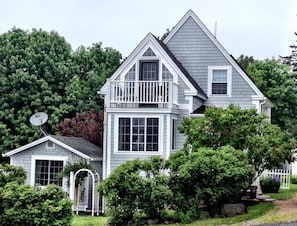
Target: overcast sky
x=259 y=28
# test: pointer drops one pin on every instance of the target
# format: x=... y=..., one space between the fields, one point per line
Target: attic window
x=219 y=80
x=149 y=52
x=50 y=145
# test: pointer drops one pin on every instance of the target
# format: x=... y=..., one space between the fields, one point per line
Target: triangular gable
x=191 y=14
x=152 y=43
x=42 y=140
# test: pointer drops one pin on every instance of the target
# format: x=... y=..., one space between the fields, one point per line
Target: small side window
x=219 y=80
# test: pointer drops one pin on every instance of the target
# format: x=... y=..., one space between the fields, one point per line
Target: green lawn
x=88 y=221
x=284 y=194
x=254 y=212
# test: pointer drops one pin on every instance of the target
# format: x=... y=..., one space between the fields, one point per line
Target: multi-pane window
x=46 y=172
x=152 y=134
x=124 y=134
x=219 y=81
x=149 y=71
x=138 y=134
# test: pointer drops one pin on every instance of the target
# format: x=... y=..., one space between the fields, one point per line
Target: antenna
x=38 y=119
x=215 y=29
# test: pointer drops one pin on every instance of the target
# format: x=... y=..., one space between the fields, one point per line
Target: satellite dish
x=38 y=118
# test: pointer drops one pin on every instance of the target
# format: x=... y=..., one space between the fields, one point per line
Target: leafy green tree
x=93 y=65
x=245 y=61
x=214 y=176
x=34 y=70
x=291 y=59
x=277 y=83
x=243 y=129
x=39 y=72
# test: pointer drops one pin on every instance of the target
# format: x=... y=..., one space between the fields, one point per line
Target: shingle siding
x=199 y=52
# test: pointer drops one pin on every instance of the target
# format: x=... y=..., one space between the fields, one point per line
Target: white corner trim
x=169 y=136
x=108 y=147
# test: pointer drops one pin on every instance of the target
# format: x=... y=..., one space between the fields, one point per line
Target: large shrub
x=25 y=205
x=211 y=176
x=134 y=188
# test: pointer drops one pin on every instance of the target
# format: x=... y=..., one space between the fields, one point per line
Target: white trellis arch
x=95 y=200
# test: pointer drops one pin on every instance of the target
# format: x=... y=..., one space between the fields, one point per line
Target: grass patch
x=88 y=220
x=284 y=194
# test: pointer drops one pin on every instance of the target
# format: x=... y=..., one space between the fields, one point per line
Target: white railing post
x=170 y=94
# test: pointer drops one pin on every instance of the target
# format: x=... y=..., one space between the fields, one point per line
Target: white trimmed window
x=219 y=80
x=46 y=172
x=139 y=134
x=44 y=169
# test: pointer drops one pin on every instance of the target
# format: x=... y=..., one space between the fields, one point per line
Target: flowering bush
x=270 y=184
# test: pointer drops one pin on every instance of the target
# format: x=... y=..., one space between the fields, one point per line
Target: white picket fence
x=282 y=174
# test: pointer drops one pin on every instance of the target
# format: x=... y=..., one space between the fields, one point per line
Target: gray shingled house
x=162 y=82
x=146 y=99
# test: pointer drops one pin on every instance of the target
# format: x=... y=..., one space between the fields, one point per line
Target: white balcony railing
x=143 y=92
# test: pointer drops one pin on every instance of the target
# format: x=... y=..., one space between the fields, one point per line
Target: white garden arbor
x=95 y=196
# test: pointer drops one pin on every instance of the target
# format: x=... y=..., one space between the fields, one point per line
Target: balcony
x=152 y=93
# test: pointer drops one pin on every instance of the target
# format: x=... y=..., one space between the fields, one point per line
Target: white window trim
x=116 y=135
x=45 y=157
x=229 y=80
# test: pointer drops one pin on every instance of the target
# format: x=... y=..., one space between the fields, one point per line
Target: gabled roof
x=191 y=14
x=150 y=39
x=76 y=145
